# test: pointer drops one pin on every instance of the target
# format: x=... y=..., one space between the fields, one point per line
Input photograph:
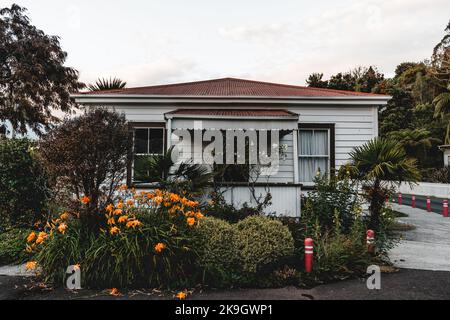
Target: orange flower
x=199 y=215
x=31 y=265
x=133 y=223
x=120 y=205
x=114 y=292
x=117 y=211
x=77 y=266
x=64 y=216
x=159 y=247
x=111 y=221
x=109 y=208
x=62 y=228
x=130 y=202
x=122 y=219
x=158 y=200
x=174 y=197
x=181 y=295
x=190 y=221
x=41 y=237
x=85 y=200
x=31 y=237
x=150 y=195
x=123 y=187
x=114 y=230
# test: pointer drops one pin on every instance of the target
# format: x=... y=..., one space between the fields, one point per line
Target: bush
x=220 y=209
x=88 y=156
x=262 y=241
x=334 y=199
x=441 y=175
x=338 y=255
x=24 y=187
x=145 y=240
x=217 y=251
x=12 y=246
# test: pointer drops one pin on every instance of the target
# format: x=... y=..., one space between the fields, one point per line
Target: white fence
x=439 y=190
x=285 y=199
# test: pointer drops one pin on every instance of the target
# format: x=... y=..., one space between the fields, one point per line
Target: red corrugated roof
x=232 y=87
x=235 y=113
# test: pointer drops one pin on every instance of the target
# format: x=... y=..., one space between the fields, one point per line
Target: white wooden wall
x=354 y=125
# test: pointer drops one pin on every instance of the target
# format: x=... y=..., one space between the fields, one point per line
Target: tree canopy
x=33 y=78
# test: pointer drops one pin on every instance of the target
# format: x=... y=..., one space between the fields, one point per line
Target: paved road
x=427 y=247
x=405 y=284
x=421 y=202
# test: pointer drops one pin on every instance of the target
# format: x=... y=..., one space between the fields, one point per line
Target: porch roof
x=233 y=119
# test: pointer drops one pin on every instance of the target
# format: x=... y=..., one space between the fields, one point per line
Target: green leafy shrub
x=24 y=187
x=334 y=198
x=12 y=246
x=262 y=241
x=338 y=255
x=144 y=240
x=217 y=207
x=217 y=251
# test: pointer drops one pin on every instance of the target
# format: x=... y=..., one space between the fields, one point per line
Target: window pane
x=141 y=141
x=305 y=141
x=156 y=141
x=320 y=142
x=308 y=168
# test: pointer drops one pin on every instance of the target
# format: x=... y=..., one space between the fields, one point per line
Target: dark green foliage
x=107 y=84
x=378 y=165
x=24 y=188
x=183 y=178
x=334 y=198
x=33 y=78
x=12 y=246
x=217 y=207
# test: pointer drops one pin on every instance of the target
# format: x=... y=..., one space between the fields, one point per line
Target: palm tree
x=107 y=84
x=442 y=110
x=378 y=164
x=415 y=141
x=179 y=178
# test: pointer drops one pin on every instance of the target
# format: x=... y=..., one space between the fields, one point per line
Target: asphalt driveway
x=427 y=247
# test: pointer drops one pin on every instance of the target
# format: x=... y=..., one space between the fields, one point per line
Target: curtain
x=311 y=143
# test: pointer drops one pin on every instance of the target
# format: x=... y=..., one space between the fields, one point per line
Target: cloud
x=344 y=36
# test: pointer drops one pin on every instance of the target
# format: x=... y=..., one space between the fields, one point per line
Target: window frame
x=131 y=154
x=330 y=128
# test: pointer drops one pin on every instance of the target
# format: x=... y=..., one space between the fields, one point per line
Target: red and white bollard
x=309 y=250
x=413 y=201
x=370 y=236
x=387 y=199
x=400 y=200
x=428 y=204
x=445 y=208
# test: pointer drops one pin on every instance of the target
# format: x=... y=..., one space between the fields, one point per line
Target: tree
x=360 y=79
x=33 y=78
x=88 y=156
x=416 y=142
x=178 y=178
x=107 y=84
x=315 y=80
x=440 y=61
x=24 y=184
x=378 y=164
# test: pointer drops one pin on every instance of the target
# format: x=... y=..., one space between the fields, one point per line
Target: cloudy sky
x=149 y=42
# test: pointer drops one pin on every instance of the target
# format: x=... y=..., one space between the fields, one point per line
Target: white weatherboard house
x=318 y=127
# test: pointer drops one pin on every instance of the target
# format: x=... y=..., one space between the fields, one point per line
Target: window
x=314 y=153
x=147 y=142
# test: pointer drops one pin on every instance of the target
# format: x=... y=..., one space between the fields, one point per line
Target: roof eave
x=135 y=98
